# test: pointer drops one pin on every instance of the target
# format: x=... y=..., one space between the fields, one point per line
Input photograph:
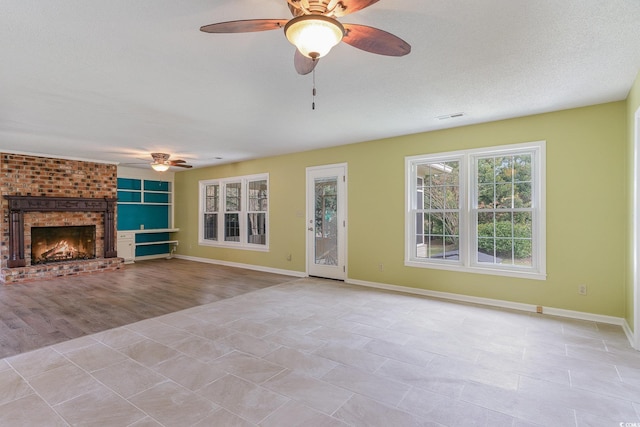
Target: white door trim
x=636 y=233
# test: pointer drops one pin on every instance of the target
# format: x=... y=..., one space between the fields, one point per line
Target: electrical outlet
x=288 y=257
x=381 y=267
x=582 y=289
x=539 y=309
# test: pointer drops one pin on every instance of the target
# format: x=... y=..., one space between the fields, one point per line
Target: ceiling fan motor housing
x=324 y=7
x=160 y=157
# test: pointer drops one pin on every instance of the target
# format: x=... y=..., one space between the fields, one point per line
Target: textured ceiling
x=114 y=80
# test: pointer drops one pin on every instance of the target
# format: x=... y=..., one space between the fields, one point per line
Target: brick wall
x=41 y=176
x=22 y=175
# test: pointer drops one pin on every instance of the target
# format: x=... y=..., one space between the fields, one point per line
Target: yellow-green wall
x=633 y=104
x=586 y=209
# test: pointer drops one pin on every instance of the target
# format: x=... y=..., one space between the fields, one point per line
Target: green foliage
x=326 y=205
x=506 y=239
x=440 y=192
x=504 y=181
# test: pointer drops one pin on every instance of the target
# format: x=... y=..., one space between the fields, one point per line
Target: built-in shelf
x=127 y=241
x=151 y=230
x=160 y=242
x=145 y=210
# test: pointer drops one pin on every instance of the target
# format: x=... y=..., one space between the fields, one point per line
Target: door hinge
x=344 y=269
x=344 y=223
x=344 y=178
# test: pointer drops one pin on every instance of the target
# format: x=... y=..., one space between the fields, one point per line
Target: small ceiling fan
x=314 y=30
x=162 y=163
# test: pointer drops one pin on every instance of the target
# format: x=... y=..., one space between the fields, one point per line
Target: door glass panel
x=326 y=221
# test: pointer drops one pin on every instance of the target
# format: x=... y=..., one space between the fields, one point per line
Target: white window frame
x=467 y=220
x=243 y=213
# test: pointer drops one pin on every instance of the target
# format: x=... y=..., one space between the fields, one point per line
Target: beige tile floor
x=313 y=353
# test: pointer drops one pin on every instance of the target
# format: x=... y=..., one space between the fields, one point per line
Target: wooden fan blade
x=180 y=165
x=245 y=26
x=351 y=6
x=303 y=64
x=177 y=161
x=375 y=40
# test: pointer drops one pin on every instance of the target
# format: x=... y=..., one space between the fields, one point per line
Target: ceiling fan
x=315 y=29
x=162 y=163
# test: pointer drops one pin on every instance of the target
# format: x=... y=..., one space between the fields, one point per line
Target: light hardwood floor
x=37 y=314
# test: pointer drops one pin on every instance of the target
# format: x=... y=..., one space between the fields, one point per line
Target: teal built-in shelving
x=145 y=206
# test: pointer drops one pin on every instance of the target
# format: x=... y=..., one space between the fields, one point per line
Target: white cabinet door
x=126 y=247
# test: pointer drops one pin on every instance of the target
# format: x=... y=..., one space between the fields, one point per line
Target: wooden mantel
x=18 y=205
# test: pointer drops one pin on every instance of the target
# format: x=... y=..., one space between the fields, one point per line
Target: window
x=234 y=212
x=212 y=206
x=478 y=211
x=257 y=212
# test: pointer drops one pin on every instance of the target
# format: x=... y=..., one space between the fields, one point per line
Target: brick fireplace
x=47 y=192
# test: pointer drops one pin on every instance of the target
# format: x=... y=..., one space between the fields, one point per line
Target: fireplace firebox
x=65 y=243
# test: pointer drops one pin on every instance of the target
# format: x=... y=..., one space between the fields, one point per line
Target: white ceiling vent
x=450 y=116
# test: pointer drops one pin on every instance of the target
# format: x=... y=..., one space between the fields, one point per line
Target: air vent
x=450 y=116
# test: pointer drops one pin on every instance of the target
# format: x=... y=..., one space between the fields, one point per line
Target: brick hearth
x=57 y=269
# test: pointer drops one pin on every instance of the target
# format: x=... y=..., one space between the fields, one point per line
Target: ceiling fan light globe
x=314 y=35
x=159 y=167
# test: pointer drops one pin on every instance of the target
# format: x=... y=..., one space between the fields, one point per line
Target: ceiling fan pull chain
x=313 y=92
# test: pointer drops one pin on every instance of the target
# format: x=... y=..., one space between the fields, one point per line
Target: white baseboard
x=446 y=295
x=496 y=303
x=630 y=336
x=581 y=315
x=245 y=266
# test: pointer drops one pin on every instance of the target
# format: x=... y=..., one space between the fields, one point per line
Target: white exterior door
x=326 y=221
